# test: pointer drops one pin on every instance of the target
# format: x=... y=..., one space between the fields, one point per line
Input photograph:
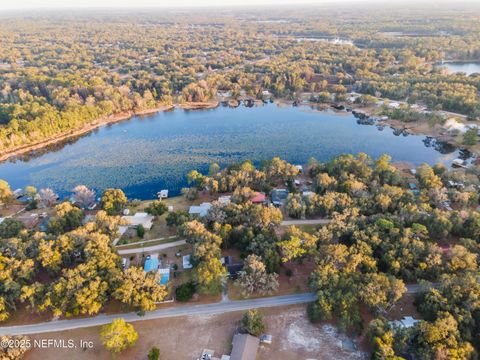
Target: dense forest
x=62 y=71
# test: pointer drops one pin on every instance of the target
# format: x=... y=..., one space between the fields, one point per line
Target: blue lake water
x=146 y=154
x=467 y=68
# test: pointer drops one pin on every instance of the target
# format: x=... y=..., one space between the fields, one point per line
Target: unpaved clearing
x=294 y=338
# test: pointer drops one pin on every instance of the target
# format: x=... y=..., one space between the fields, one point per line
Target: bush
x=190 y=193
x=140 y=231
x=177 y=218
x=32 y=205
x=157 y=208
x=314 y=313
x=10 y=228
x=470 y=137
x=185 y=291
x=154 y=353
x=252 y=322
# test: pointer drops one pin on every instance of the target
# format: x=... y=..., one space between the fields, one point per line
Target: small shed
x=266 y=339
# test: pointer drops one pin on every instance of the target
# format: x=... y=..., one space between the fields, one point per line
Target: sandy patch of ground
x=294 y=338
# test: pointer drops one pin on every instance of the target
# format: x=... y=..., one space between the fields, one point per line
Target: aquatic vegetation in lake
x=146 y=154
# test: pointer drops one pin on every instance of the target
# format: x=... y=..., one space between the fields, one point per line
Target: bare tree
x=84 y=197
x=47 y=197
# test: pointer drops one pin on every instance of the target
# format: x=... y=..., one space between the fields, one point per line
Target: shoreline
x=111 y=119
x=413 y=128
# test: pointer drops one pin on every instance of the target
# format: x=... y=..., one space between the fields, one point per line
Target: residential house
x=224 y=200
x=18 y=193
x=307 y=194
x=245 y=347
x=29 y=220
x=153 y=264
x=200 y=210
x=140 y=218
x=278 y=196
x=186 y=262
x=405 y=323
x=233 y=267
x=300 y=168
x=259 y=198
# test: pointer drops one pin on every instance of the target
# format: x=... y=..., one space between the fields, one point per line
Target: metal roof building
x=245 y=347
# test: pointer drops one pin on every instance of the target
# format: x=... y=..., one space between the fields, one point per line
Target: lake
x=146 y=154
x=457 y=67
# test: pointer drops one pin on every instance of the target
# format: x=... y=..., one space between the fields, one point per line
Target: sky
x=31 y=4
x=56 y=4
x=35 y=4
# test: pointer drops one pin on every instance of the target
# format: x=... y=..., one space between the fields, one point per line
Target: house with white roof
x=405 y=323
x=200 y=210
x=186 y=262
x=224 y=200
x=140 y=218
x=163 y=194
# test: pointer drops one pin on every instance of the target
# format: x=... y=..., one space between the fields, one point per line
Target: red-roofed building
x=259 y=198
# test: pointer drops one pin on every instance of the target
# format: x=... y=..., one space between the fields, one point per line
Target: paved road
x=306 y=222
x=186 y=310
x=149 y=249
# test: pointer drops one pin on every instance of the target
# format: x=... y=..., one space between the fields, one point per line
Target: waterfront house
x=163 y=194
x=200 y=210
x=299 y=168
x=18 y=193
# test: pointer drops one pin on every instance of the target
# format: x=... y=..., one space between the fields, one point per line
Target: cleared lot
x=185 y=337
